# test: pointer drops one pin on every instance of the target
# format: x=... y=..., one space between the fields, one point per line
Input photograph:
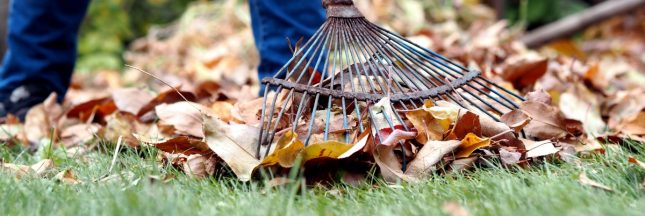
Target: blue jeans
x=43 y=37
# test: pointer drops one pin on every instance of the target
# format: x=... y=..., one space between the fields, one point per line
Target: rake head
x=326 y=90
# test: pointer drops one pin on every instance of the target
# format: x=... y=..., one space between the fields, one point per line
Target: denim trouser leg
x=275 y=20
x=42 y=43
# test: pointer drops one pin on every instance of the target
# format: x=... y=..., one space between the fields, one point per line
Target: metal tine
x=374 y=49
x=456 y=65
x=409 y=49
x=332 y=75
x=380 y=48
x=351 y=50
x=344 y=61
x=267 y=88
x=448 y=95
x=352 y=39
x=432 y=73
x=335 y=42
x=391 y=125
x=389 y=120
x=291 y=91
x=289 y=74
x=373 y=70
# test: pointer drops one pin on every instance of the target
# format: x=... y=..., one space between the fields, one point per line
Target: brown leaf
x=539 y=96
x=389 y=165
x=96 y=109
x=634 y=125
x=79 y=134
x=123 y=125
x=223 y=110
x=547 y=121
x=467 y=123
x=182 y=144
x=509 y=157
x=67 y=176
x=462 y=164
x=584 y=180
x=516 y=120
x=130 y=100
x=185 y=117
x=169 y=96
x=230 y=145
x=429 y=155
x=42 y=166
x=579 y=103
x=41 y=120
x=633 y=160
x=525 y=70
x=200 y=166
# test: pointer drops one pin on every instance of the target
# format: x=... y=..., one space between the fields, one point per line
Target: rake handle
x=341 y=8
x=327 y=3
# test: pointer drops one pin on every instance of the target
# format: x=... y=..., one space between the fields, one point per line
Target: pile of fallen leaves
x=204 y=118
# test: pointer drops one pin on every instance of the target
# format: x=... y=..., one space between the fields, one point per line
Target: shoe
x=21 y=99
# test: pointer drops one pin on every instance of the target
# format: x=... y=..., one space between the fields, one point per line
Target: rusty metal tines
x=350 y=63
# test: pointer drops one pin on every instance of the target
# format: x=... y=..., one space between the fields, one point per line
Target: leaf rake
x=324 y=92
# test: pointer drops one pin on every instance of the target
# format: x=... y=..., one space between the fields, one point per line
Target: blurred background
x=111 y=26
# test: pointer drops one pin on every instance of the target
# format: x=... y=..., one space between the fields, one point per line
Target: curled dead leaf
x=234 y=147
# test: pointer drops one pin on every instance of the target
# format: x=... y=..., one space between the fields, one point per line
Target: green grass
x=546 y=189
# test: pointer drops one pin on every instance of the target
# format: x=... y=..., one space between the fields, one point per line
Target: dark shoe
x=21 y=99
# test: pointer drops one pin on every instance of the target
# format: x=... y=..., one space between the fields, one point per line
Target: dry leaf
x=130 y=100
x=41 y=120
x=42 y=166
x=237 y=153
x=182 y=144
x=462 y=164
x=633 y=160
x=509 y=157
x=547 y=121
x=18 y=170
x=469 y=144
x=584 y=180
x=96 y=109
x=185 y=117
x=525 y=70
x=168 y=96
x=429 y=155
x=467 y=123
x=581 y=104
x=67 y=176
x=79 y=134
x=516 y=120
x=634 y=125
x=329 y=149
x=200 y=166
x=539 y=149
x=287 y=149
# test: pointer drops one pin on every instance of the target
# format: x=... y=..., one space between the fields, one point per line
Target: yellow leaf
x=287 y=150
x=444 y=115
x=329 y=149
x=469 y=144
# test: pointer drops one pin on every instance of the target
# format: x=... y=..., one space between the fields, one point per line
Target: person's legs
x=275 y=20
x=42 y=48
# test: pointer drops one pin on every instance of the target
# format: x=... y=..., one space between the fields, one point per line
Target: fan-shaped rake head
x=326 y=90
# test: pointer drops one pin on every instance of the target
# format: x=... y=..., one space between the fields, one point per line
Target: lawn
x=550 y=188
